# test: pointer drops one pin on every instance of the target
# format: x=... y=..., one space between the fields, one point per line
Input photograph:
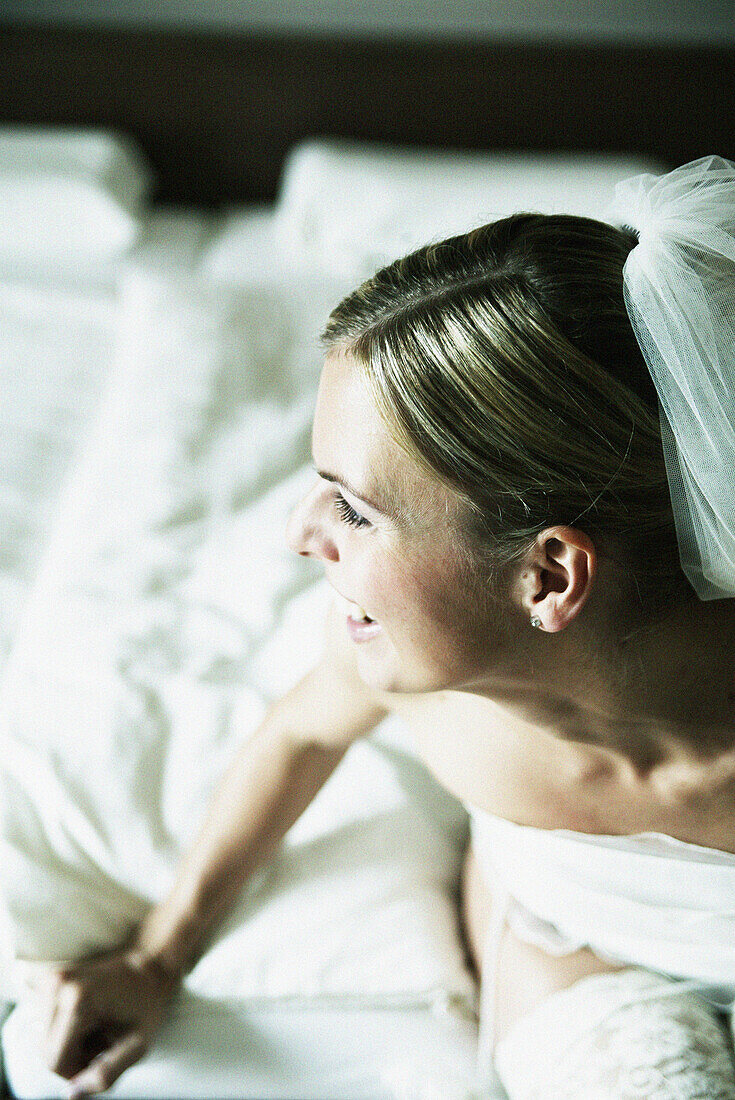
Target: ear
x=557 y=576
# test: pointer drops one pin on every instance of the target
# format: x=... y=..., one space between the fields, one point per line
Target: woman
x=503 y=529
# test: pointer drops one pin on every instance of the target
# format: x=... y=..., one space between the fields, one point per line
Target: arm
x=269 y=785
x=104 y=1011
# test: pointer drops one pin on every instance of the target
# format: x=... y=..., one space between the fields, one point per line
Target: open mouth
x=359 y=614
x=361 y=626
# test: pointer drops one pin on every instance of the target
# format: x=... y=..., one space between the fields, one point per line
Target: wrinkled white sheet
x=55 y=351
x=60 y=341
x=166 y=612
x=224 y=1050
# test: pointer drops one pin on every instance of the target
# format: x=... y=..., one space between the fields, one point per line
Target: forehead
x=352 y=441
x=344 y=400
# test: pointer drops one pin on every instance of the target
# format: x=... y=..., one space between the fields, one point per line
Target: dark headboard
x=216 y=113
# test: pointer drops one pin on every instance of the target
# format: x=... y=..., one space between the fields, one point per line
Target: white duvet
x=166 y=612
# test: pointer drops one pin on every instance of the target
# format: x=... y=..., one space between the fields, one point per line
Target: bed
x=159 y=368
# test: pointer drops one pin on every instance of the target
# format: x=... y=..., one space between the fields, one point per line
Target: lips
x=360 y=626
x=362 y=630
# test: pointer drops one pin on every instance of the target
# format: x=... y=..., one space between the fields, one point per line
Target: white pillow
x=246 y=249
x=68 y=196
x=347 y=208
x=167 y=611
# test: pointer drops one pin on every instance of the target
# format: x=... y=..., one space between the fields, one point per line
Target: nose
x=307 y=533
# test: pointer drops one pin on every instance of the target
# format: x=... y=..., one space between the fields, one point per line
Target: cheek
x=435 y=626
x=430 y=593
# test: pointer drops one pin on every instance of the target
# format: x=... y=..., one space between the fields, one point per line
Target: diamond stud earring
x=535 y=622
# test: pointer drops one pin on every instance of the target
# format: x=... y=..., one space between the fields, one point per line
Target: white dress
x=661 y=907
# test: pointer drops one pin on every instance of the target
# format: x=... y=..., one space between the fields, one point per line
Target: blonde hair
x=504 y=361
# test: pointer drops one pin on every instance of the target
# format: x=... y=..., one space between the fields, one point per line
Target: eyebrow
x=354 y=492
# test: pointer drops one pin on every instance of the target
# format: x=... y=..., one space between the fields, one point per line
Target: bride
x=524 y=445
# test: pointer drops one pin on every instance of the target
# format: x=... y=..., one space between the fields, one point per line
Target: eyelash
x=347 y=513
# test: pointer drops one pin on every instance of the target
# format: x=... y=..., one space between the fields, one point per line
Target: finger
x=57 y=1001
x=40 y=1002
x=105 y=1069
x=45 y=983
x=67 y=1028
x=39 y=977
x=42 y=983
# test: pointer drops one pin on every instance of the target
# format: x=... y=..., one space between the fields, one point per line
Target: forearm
x=271 y=782
x=119 y=999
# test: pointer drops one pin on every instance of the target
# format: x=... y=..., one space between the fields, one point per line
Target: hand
x=100 y=1016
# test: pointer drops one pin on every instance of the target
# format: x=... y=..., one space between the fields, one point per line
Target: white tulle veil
x=679 y=288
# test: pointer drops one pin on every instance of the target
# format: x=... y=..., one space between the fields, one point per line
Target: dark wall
x=215 y=114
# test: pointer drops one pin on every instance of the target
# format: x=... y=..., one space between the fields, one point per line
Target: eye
x=347 y=512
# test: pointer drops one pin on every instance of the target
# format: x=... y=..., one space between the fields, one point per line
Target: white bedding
x=350 y=207
x=147 y=641
x=165 y=612
x=164 y=615
x=56 y=348
x=71 y=199
x=61 y=336
x=215 y=1049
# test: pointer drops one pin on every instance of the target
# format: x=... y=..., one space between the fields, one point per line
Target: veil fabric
x=679 y=289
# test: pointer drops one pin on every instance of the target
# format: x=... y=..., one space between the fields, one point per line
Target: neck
x=650 y=692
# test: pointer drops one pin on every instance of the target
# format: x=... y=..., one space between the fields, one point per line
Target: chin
x=387 y=672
